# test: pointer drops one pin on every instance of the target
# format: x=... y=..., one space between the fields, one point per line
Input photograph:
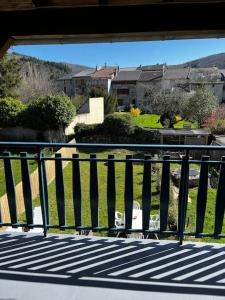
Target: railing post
x=27 y=193
x=94 y=191
x=202 y=195
x=220 y=203
x=42 y=190
x=165 y=193
x=146 y=193
x=183 y=196
x=111 y=191
x=128 y=193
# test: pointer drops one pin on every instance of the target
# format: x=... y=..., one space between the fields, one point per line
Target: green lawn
x=151 y=121
x=102 y=177
x=16 y=166
x=138 y=177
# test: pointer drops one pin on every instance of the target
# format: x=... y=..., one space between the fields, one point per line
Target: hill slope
x=216 y=60
x=53 y=70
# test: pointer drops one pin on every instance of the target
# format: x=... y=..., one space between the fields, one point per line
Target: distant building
x=150 y=78
x=103 y=77
x=124 y=86
x=78 y=84
x=132 y=85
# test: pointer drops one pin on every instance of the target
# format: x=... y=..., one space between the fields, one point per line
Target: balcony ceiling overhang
x=68 y=21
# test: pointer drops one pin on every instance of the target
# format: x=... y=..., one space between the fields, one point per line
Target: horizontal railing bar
x=115 y=160
x=107 y=146
x=88 y=228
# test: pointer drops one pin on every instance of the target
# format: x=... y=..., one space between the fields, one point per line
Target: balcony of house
x=100 y=217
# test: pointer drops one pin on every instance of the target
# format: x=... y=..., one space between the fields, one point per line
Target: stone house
x=80 y=81
x=124 y=86
x=211 y=77
x=102 y=77
x=150 y=79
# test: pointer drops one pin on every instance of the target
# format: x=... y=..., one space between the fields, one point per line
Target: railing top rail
x=108 y=146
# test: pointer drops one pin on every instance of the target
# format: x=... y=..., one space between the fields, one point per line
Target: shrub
x=50 y=112
x=82 y=129
x=135 y=111
x=11 y=112
x=116 y=124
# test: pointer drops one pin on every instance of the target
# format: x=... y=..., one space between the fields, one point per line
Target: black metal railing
x=165 y=158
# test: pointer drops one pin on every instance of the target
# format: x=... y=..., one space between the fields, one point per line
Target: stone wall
x=92 y=113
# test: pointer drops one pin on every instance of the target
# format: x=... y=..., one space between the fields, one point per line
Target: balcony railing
x=165 y=159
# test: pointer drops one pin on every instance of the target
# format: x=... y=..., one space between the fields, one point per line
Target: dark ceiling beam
x=107 y=20
x=115 y=23
x=5 y=44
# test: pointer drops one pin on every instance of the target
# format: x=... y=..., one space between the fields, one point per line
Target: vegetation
x=110 y=101
x=9 y=76
x=50 y=112
x=216 y=122
x=152 y=121
x=135 y=111
x=11 y=112
x=164 y=101
x=120 y=183
x=16 y=166
x=201 y=105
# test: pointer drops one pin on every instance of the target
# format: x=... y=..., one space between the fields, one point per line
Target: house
x=103 y=77
x=176 y=77
x=150 y=79
x=124 y=86
x=211 y=77
x=80 y=81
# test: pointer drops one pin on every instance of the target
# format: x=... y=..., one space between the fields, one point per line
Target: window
x=123 y=92
x=120 y=102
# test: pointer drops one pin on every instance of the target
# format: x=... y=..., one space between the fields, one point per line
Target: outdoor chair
x=154 y=224
x=136 y=205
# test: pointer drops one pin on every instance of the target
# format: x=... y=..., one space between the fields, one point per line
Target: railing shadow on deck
x=142 y=265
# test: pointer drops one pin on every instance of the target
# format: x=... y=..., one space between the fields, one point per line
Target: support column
x=5 y=43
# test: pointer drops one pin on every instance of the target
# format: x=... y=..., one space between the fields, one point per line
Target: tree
x=11 y=112
x=110 y=101
x=165 y=101
x=9 y=76
x=50 y=112
x=201 y=105
x=34 y=85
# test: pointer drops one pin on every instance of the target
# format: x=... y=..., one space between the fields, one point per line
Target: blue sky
x=126 y=54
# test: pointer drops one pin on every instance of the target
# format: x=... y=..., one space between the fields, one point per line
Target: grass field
x=16 y=166
x=151 y=121
x=138 y=177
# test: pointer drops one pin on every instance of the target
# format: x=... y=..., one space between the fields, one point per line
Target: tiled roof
x=150 y=75
x=66 y=77
x=176 y=73
x=105 y=72
x=127 y=76
x=85 y=73
x=157 y=67
x=201 y=74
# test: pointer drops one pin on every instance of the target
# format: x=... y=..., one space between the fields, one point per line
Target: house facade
x=124 y=86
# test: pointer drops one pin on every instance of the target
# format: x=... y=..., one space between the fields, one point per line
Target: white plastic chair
x=154 y=223
x=136 y=205
x=119 y=221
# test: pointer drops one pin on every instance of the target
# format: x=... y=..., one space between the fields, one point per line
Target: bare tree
x=34 y=83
